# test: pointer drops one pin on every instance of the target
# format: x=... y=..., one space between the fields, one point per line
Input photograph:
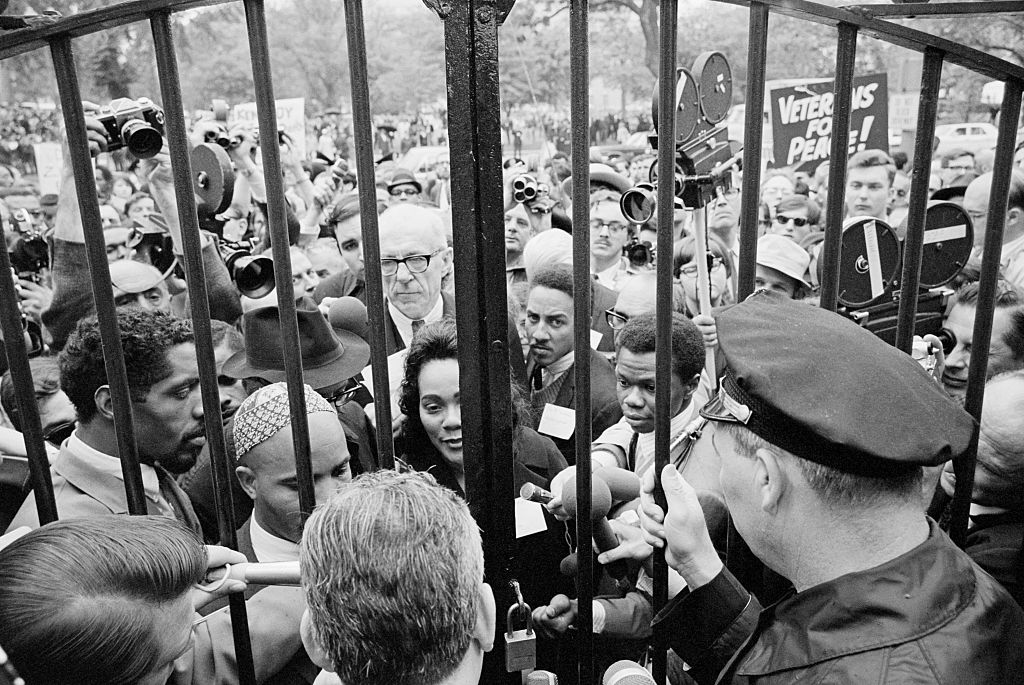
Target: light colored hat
x=266 y=411
x=553 y=246
x=130 y=277
x=784 y=255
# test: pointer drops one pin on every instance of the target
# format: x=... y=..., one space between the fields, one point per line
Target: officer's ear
x=104 y=402
x=1014 y=216
x=771 y=479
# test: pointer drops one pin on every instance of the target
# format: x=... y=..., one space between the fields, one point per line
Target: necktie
x=416 y=326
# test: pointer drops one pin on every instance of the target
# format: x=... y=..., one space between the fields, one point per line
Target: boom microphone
x=627 y=673
x=275 y=573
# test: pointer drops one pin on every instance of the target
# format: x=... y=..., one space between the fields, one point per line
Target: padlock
x=520 y=645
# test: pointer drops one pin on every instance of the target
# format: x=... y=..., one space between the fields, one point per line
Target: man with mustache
x=550 y=363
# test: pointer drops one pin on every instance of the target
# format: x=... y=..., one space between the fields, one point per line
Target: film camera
x=703 y=154
x=253 y=276
x=871 y=263
x=135 y=124
x=30 y=253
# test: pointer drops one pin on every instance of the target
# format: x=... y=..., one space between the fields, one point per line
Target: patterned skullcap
x=266 y=411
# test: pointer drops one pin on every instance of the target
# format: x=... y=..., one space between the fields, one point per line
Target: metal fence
x=471 y=44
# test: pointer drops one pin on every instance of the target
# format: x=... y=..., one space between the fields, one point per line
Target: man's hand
x=246 y=143
x=216 y=558
x=555 y=618
x=35 y=298
x=631 y=544
x=689 y=550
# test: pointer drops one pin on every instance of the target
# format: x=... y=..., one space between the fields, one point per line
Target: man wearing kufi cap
x=266 y=470
x=821 y=472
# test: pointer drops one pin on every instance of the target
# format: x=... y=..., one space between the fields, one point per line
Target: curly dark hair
x=146 y=336
x=435 y=342
x=639 y=334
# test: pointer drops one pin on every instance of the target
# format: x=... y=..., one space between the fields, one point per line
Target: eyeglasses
x=691 y=268
x=395 y=192
x=344 y=395
x=615 y=320
x=613 y=227
x=416 y=263
x=797 y=221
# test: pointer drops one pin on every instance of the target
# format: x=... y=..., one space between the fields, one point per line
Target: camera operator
x=72 y=298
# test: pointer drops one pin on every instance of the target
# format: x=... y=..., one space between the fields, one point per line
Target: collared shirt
x=614 y=276
x=111 y=466
x=269 y=547
x=553 y=371
x=1012 y=260
x=404 y=324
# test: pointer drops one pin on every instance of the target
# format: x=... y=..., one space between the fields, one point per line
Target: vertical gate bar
x=1002 y=170
x=96 y=254
x=24 y=389
x=667 y=103
x=266 y=111
x=579 y=103
x=931 y=78
x=181 y=167
x=363 y=129
x=846 y=54
x=753 y=130
x=471 y=67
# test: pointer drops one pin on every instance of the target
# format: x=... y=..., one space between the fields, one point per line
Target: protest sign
x=49 y=166
x=802 y=120
x=291 y=118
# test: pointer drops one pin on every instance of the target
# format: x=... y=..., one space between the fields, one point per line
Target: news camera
x=871 y=264
x=30 y=253
x=704 y=156
x=252 y=275
x=135 y=124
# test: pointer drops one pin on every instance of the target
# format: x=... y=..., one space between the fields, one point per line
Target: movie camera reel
x=871 y=263
x=703 y=154
x=213 y=179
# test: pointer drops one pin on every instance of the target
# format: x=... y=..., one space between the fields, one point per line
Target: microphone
x=349 y=314
x=535 y=493
x=600 y=503
x=624 y=485
x=627 y=673
x=274 y=573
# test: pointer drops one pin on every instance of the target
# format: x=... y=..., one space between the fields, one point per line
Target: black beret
x=817 y=385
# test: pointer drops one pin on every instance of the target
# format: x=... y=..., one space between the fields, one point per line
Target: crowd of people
x=829 y=450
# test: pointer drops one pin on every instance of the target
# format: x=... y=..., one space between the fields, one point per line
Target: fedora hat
x=784 y=255
x=601 y=175
x=329 y=356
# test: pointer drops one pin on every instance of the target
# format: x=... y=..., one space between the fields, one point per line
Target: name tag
x=595 y=338
x=558 y=422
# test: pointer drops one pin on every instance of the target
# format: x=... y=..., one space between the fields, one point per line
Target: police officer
x=822 y=431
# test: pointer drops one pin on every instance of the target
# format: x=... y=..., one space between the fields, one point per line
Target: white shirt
x=612 y=276
x=269 y=547
x=553 y=371
x=404 y=324
x=111 y=466
x=1012 y=260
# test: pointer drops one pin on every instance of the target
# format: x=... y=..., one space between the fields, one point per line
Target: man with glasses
x=639 y=295
x=976 y=199
x=957 y=163
x=403 y=187
x=609 y=234
x=414 y=259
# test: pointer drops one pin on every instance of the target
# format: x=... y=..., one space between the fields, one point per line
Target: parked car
x=974 y=137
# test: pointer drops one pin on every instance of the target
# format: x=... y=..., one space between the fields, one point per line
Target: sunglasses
x=797 y=221
x=395 y=192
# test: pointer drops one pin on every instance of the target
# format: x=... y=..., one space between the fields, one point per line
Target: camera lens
x=254 y=276
x=141 y=139
x=638 y=205
x=948 y=340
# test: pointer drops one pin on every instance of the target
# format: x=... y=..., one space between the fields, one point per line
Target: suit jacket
x=393 y=340
x=602 y=299
x=605 y=410
x=994 y=543
x=81 y=490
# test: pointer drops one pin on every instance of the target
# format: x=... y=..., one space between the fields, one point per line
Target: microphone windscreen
x=350 y=314
x=274 y=573
x=716 y=515
x=624 y=485
x=569 y=565
x=600 y=501
x=542 y=678
x=627 y=673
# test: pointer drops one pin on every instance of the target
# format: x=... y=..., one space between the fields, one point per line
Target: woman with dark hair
x=432 y=437
x=720 y=270
x=432 y=441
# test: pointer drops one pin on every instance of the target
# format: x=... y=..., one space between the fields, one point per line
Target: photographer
x=72 y=296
